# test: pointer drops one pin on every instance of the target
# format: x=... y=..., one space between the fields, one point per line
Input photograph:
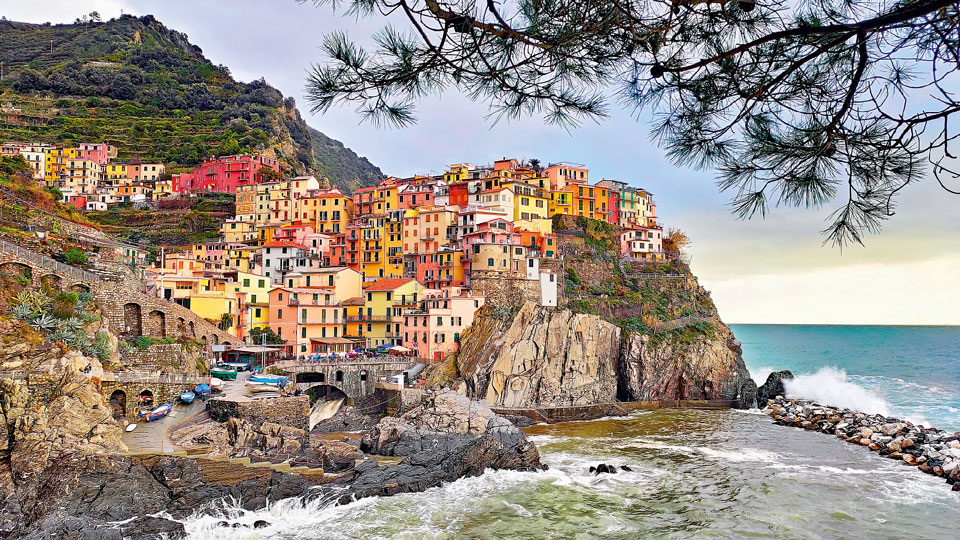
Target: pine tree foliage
x=794 y=102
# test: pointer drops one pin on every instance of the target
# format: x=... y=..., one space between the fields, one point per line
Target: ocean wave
x=830 y=386
x=759 y=374
x=723 y=454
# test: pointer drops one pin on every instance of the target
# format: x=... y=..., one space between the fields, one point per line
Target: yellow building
x=256 y=291
x=235 y=230
x=238 y=258
x=341 y=282
x=56 y=159
x=561 y=202
x=384 y=302
x=393 y=243
x=529 y=202
x=326 y=210
x=386 y=198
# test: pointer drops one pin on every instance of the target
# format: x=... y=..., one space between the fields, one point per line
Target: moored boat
x=156 y=413
x=278 y=380
x=256 y=388
x=201 y=389
x=187 y=397
x=216 y=385
x=224 y=373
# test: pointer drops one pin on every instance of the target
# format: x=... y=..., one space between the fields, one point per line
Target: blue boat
x=187 y=397
x=277 y=380
x=201 y=389
x=157 y=413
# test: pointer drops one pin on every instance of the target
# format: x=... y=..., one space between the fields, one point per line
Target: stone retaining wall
x=291 y=411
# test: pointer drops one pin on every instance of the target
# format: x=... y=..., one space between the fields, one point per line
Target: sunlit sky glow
x=761 y=271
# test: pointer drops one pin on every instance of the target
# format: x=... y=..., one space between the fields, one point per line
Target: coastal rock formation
x=675 y=369
x=773 y=387
x=932 y=451
x=543 y=357
x=450 y=438
x=548 y=357
x=73 y=420
x=100 y=496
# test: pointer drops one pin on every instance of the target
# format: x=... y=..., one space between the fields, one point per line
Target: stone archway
x=79 y=288
x=311 y=377
x=51 y=281
x=181 y=327
x=338 y=377
x=192 y=331
x=132 y=321
x=145 y=399
x=157 y=323
x=15 y=269
x=118 y=402
x=325 y=391
x=203 y=341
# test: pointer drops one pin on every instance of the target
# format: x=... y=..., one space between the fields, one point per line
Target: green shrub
x=143 y=342
x=75 y=257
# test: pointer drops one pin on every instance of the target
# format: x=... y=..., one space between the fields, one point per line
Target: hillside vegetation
x=146 y=89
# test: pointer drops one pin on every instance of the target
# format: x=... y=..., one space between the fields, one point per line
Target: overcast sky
x=761 y=271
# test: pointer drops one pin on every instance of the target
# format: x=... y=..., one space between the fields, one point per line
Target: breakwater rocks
x=931 y=450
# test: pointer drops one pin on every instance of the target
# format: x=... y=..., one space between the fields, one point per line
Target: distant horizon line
x=844 y=324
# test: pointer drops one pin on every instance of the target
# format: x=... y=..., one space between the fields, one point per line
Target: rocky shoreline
x=932 y=451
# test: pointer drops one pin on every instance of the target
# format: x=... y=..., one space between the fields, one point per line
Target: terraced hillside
x=146 y=89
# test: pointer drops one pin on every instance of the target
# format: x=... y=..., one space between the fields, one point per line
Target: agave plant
x=22 y=311
x=44 y=322
x=72 y=324
x=85 y=297
x=60 y=334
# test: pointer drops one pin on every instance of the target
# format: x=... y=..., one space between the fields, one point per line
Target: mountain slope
x=136 y=84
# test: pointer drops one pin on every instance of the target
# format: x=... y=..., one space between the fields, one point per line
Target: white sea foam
x=830 y=386
x=760 y=374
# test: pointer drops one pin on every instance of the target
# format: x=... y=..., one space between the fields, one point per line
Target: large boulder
x=773 y=387
x=449 y=438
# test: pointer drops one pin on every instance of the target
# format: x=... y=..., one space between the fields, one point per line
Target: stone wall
x=127 y=311
x=172 y=357
x=503 y=291
x=124 y=394
x=287 y=411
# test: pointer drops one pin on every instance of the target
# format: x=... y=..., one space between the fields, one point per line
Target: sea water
x=907 y=371
x=695 y=474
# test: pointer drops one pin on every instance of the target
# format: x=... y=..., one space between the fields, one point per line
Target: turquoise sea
x=696 y=474
x=906 y=371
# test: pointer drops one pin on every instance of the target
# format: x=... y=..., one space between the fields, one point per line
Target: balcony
x=371 y=318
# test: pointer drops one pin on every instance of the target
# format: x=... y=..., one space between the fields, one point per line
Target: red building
x=225 y=174
x=613 y=206
x=459 y=194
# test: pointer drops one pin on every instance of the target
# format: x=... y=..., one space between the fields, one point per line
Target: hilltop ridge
x=146 y=89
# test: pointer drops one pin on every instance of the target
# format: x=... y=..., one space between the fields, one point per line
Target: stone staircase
x=220 y=468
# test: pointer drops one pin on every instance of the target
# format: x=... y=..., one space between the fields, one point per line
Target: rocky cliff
x=543 y=357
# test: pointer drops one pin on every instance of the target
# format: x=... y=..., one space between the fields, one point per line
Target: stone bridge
x=129 y=313
x=355 y=379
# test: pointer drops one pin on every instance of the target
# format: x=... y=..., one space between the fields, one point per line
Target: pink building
x=434 y=329
x=100 y=153
x=644 y=243
x=225 y=174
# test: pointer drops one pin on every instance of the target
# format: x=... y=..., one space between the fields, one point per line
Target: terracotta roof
x=356 y=301
x=388 y=284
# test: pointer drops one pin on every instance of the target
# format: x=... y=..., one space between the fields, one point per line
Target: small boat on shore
x=216 y=385
x=156 y=413
x=257 y=388
x=278 y=380
x=131 y=427
x=224 y=373
x=187 y=397
x=201 y=389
